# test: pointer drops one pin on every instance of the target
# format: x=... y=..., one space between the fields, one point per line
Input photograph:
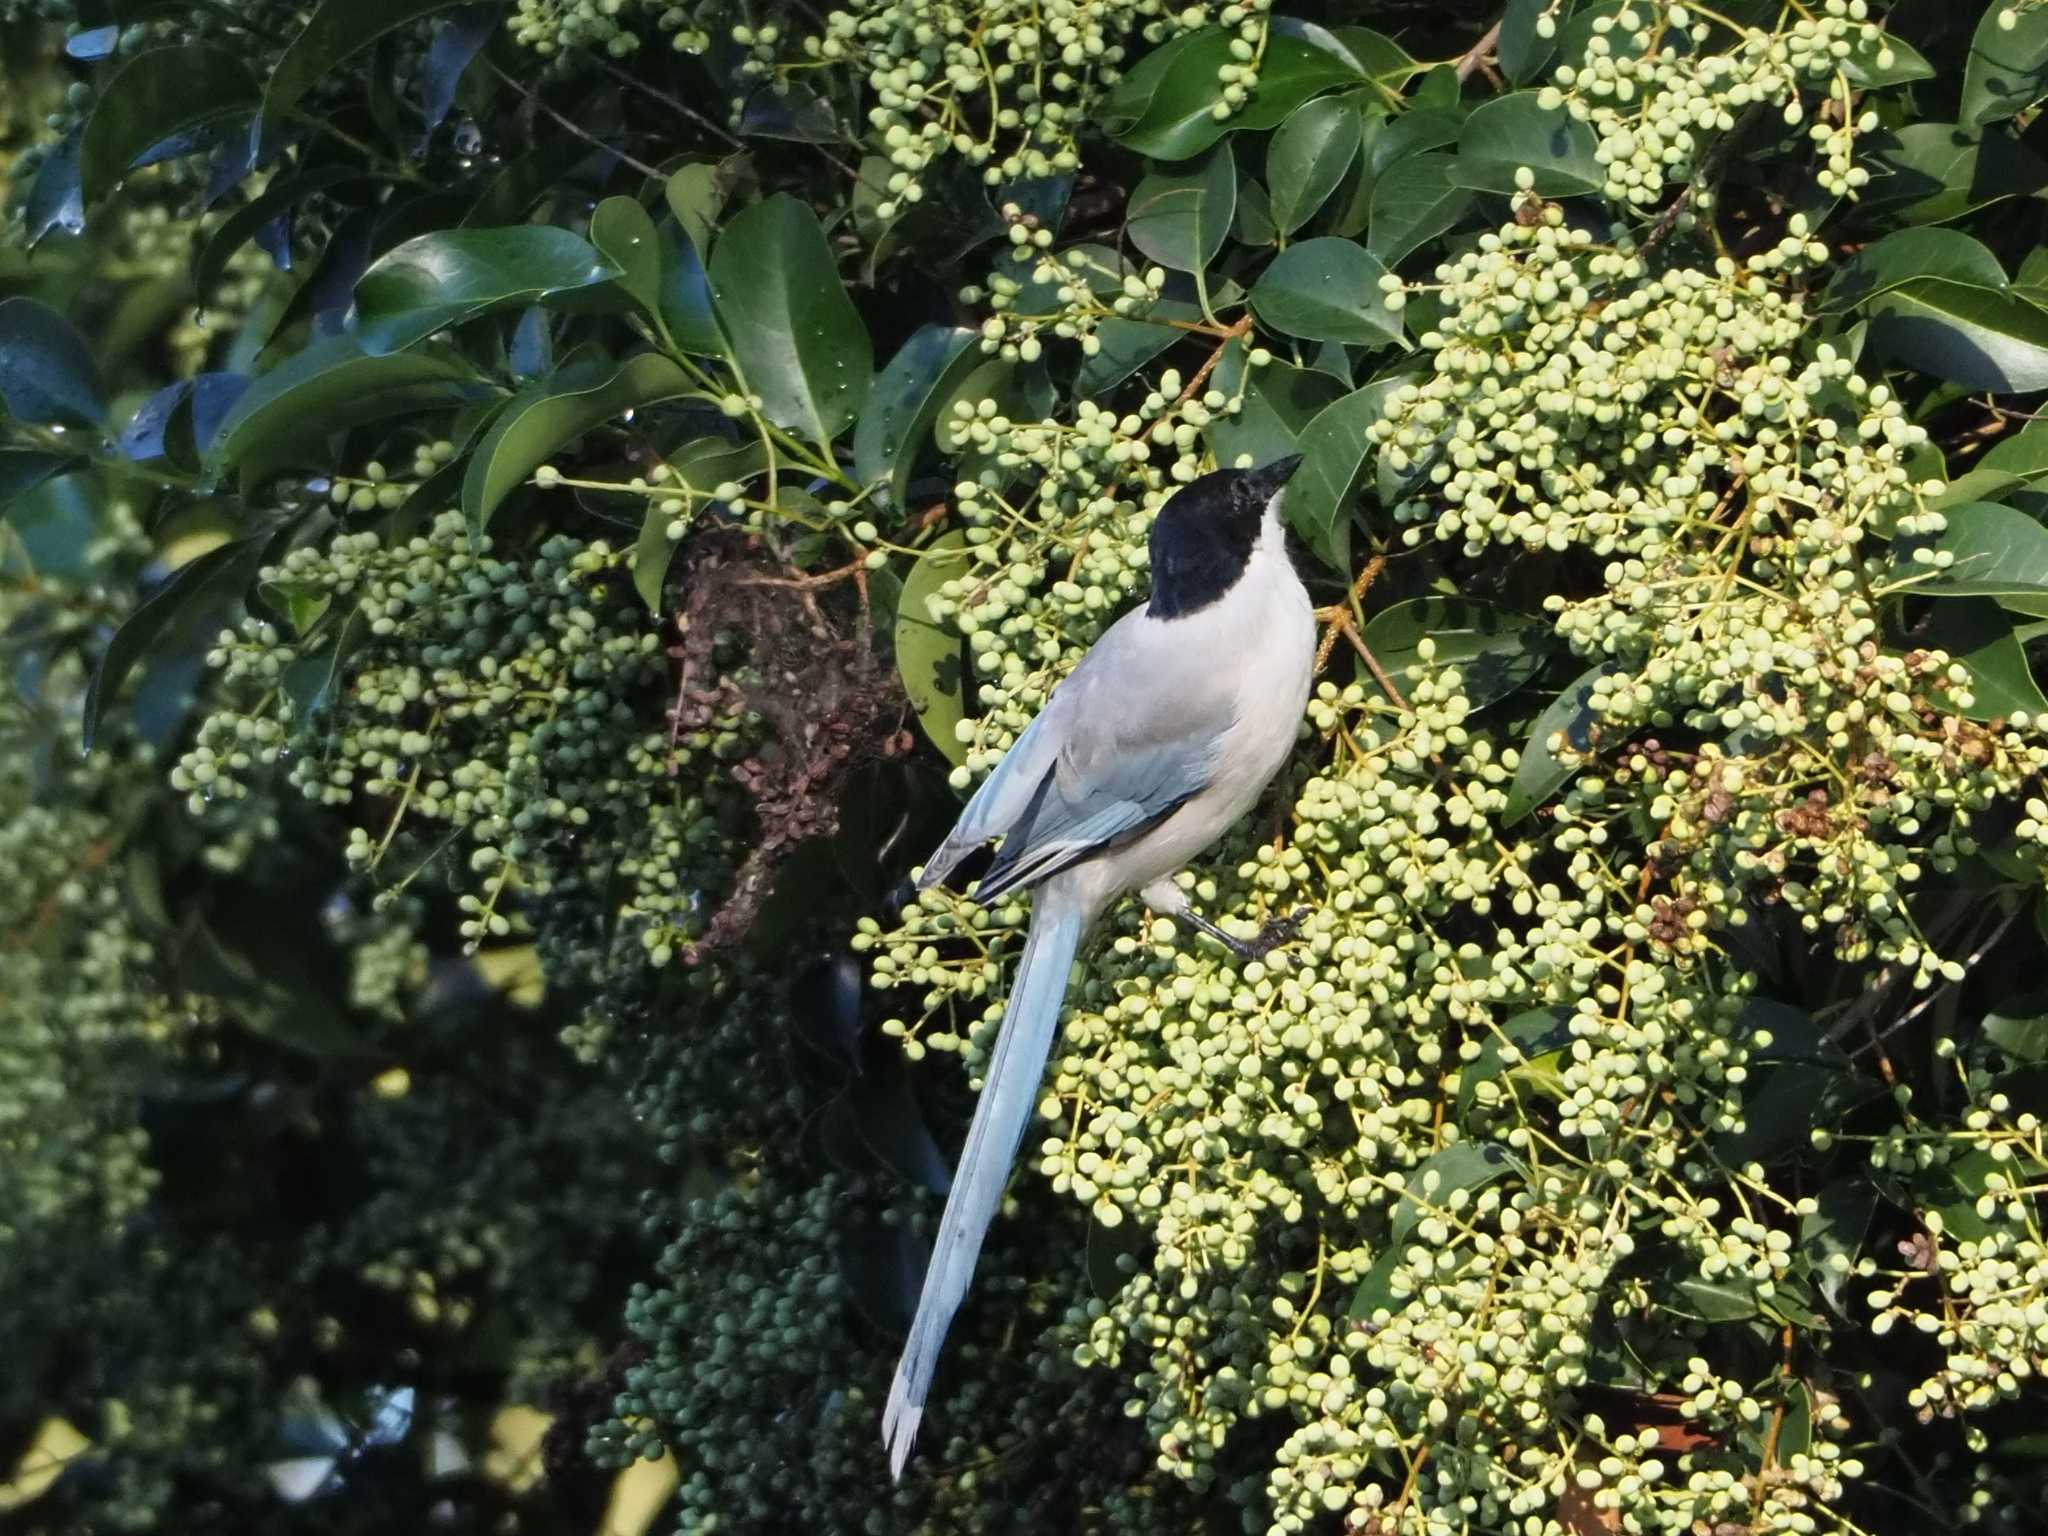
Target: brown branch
x=1475 y=57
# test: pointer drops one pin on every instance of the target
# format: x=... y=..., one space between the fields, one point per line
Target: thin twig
x=1473 y=57
x=584 y=134
x=625 y=78
x=1879 y=1036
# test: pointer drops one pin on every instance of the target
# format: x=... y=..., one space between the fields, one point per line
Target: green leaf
x=1292 y=71
x=696 y=196
x=1326 y=290
x=1465 y=1165
x=1165 y=106
x=1495 y=649
x=153 y=97
x=793 y=331
x=1333 y=448
x=1513 y=1048
x=1180 y=218
x=1969 y=334
x=1713 y=1301
x=1906 y=254
x=1867 y=70
x=196 y=590
x=1926 y=173
x=2019 y=1027
x=624 y=236
x=286 y=416
x=1308 y=157
x=437 y=280
x=1511 y=132
x=685 y=294
x=700 y=466
x=1995 y=552
x=1383 y=62
x=336 y=30
x=538 y=421
x=1124 y=346
x=905 y=401
x=2007 y=71
x=1522 y=52
x=1977 y=633
x=1414 y=201
x=1544 y=769
x=930 y=657
x=46 y=372
x=23 y=469
x=1836 y=1226
x=1279 y=403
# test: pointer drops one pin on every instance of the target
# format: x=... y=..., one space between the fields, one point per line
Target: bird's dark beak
x=1268 y=479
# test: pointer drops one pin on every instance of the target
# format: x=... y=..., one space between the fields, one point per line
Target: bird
x=1165 y=733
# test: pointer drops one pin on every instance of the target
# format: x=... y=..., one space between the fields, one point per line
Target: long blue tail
x=1009 y=1096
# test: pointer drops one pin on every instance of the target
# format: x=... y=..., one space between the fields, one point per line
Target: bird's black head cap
x=1204 y=535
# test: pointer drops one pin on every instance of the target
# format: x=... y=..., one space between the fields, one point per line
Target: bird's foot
x=1277 y=931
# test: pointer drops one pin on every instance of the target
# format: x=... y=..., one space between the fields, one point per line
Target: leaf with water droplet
x=440 y=279
x=624 y=236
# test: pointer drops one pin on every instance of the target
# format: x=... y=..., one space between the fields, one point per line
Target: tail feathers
x=1008 y=1098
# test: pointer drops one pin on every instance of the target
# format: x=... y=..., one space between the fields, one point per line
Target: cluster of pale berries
x=1066 y=294
x=1076 y=512
x=1005 y=84
x=473 y=702
x=1656 y=96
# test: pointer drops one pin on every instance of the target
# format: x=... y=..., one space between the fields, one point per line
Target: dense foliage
x=517 y=522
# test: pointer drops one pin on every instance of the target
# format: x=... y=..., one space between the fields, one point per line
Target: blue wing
x=1128 y=737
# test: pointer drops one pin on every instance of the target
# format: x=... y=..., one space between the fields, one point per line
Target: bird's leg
x=1169 y=900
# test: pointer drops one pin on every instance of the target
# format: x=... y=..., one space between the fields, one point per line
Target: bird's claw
x=1277 y=931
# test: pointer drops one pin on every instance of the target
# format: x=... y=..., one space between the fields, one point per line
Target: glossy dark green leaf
x=701 y=466
x=1326 y=290
x=1926 y=173
x=285 y=416
x=437 y=280
x=929 y=656
x=1979 y=634
x=154 y=97
x=1308 y=157
x=536 y=424
x=696 y=195
x=1508 y=133
x=1123 y=347
x=1292 y=71
x=56 y=198
x=1253 y=224
x=1496 y=650
x=1165 y=106
x=335 y=31
x=1520 y=1041
x=1413 y=201
x=1970 y=334
x=1522 y=51
x=1279 y=403
x=46 y=371
x=1386 y=65
x=905 y=401
x=1712 y=1301
x=1833 y=1233
x=1180 y=218
x=1333 y=450
x=624 y=236
x=1995 y=551
x=685 y=294
x=198 y=588
x=793 y=331
x=1544 y=768
x=457 y=42
x=23 y=469
x=1906 y=254
x=2007 y=71
x=1465 y=1166
x=1887 y=59
x=2019 y=1027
